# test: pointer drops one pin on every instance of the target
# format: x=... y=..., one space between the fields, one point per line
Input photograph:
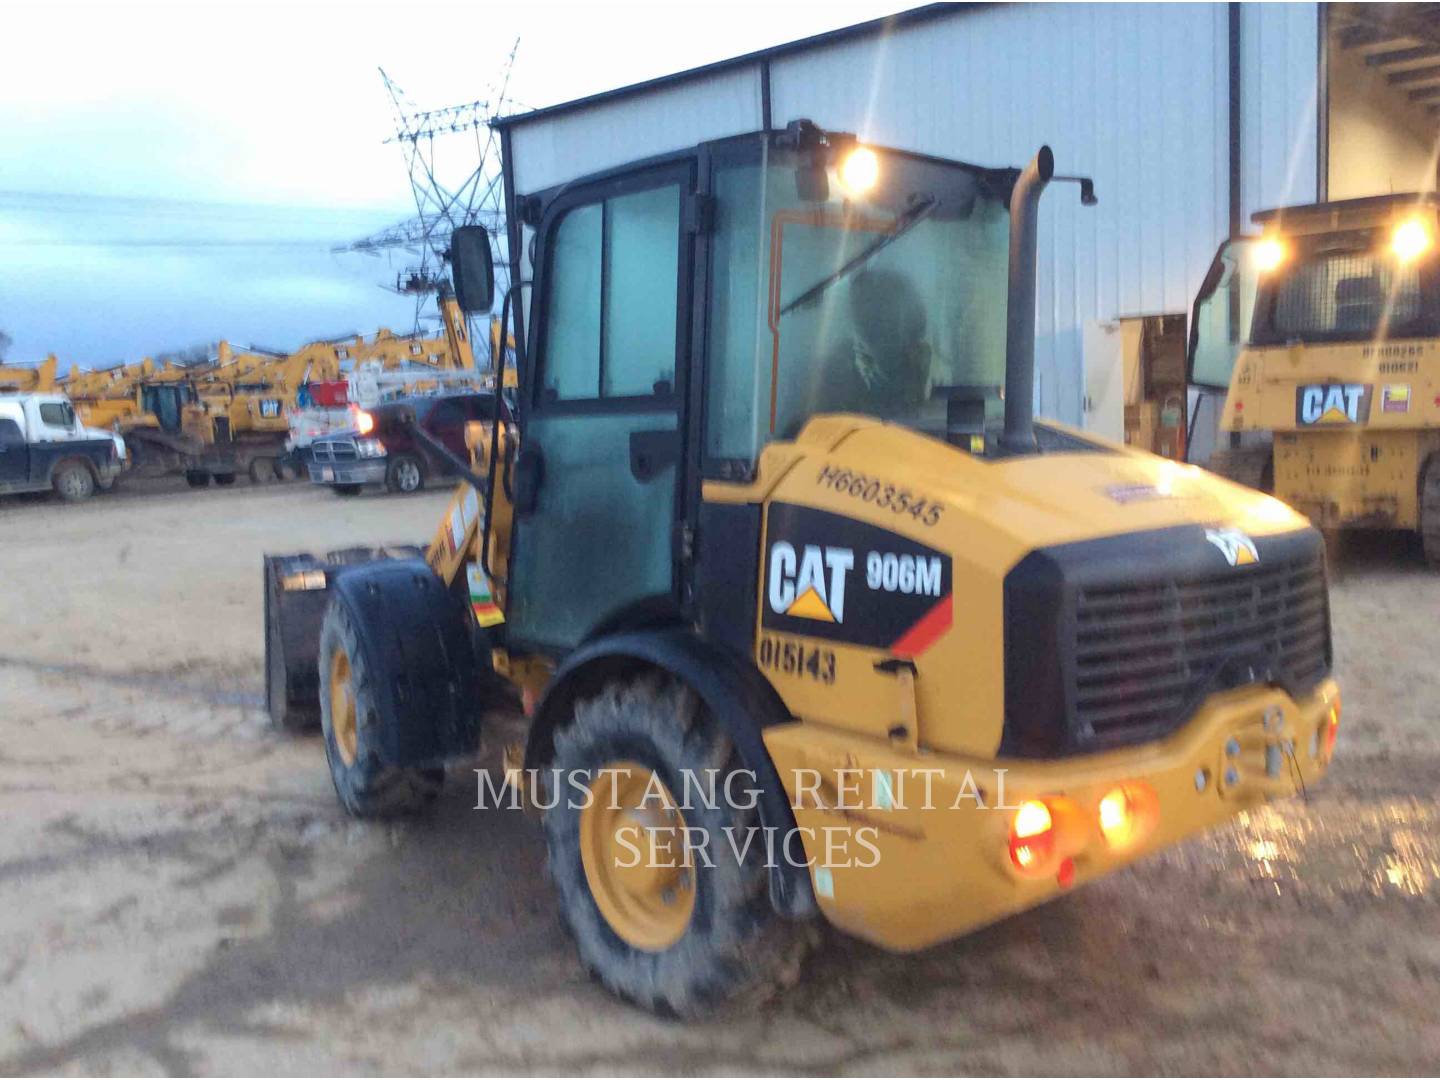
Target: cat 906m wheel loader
x=803 y=612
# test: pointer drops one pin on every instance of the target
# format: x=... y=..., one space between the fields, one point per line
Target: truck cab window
x=10 y=433
x=610 y=327
x=57 y=414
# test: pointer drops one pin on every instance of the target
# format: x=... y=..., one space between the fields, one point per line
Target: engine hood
x=1064 y=496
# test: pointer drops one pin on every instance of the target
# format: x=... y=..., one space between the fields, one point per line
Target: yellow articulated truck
x=777 y=600
x=1324 y=334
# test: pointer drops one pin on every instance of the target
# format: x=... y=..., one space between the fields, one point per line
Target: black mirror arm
x=1087 y=188
x=475 y=480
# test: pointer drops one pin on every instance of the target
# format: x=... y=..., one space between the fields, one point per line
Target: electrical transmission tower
x=453 y=160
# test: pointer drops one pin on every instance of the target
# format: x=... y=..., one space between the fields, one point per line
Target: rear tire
x=345 y=489
x=73 y=481
x=352 y=716
x=197 y=478
x=730 y=942
x=1430 y=511
x=404 y=476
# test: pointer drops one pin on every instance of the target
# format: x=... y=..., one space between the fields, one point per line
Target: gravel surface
x=179 y=892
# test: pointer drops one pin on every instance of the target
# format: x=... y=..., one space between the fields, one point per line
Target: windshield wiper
x=903 y=224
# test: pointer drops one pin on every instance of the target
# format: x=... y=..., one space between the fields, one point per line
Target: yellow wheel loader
x=1324 y=334
x=782 y=605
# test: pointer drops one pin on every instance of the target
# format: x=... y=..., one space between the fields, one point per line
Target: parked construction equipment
x=1324 y=333
x=764 y=525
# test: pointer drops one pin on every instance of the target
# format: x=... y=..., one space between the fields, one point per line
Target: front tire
x=404 y=476
x=352 y=717
x=73 y=481
x=676 y=940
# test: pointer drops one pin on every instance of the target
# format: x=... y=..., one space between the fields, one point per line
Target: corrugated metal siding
x=1279 y=64
x=1135 y=96
x=570 y=145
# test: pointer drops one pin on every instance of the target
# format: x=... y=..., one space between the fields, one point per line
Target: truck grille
x=1146 y=654
x=331 y=451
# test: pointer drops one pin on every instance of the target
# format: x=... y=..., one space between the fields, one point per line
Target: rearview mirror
x=472 y=270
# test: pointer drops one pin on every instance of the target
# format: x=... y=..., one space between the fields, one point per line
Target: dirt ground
x=179 y=892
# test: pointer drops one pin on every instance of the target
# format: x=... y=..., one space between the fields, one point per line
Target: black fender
x=431 y=688
x=737 y=695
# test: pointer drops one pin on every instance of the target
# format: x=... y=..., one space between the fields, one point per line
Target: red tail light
x=1032 y=836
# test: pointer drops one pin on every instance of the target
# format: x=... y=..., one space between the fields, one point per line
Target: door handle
x=652 y=452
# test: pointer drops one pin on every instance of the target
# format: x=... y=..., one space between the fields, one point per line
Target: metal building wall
x=1279 y=65
x=567 y=145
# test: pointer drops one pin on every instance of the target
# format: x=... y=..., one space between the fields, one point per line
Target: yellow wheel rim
x=632 y=845
x=342 y=708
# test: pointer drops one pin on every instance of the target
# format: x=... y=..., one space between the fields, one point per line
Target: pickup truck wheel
x=404 y=475
x=73 y=481
x=345 y=489
x=681 y=933
x=352 y=716
x=197 y=478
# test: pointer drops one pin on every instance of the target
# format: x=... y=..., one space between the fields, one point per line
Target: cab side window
x=57 y=414
x=611 y=324
x=10 y=433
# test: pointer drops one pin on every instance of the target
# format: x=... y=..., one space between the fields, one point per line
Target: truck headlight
x=369 y=448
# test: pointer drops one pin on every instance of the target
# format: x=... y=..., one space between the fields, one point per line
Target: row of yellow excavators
x=230 y=414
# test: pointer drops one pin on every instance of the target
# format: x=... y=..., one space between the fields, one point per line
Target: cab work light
x=364 y=423
x=1269 y=253
x=1410 y=240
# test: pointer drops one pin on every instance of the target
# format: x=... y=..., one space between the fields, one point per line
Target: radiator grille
x=332 y=450
x=1145 y=653
x=1348 y=293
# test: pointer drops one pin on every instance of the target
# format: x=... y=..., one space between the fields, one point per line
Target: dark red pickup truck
x=384 y=451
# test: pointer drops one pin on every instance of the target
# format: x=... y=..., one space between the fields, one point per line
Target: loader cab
x=689 y=310
x=166 y=402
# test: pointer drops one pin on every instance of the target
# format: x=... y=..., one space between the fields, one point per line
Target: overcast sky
x=174 y=174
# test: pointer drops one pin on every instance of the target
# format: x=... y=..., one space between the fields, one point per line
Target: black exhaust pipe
x=1019 y=434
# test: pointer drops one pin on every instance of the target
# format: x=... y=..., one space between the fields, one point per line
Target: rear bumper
x=908 y=850
x=369 y=471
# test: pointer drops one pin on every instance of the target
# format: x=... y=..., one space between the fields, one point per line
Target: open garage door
x=1382 y=99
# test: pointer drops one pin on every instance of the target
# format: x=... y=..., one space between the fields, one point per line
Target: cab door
x=598 y=480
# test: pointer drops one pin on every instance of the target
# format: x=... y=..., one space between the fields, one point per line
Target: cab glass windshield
x=875 y=286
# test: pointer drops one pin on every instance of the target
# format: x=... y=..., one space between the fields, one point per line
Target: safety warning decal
x=829 y=576
x=487 y=612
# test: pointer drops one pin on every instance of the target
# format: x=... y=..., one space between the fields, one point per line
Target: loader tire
x=351 y=718
x=224 y=479
x=1430 y=511
x=73 y=481
x=699 y=936
x=262 y=470
x=1253 y=466
x=197 y=478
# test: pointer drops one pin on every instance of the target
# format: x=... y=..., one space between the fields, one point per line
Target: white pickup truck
x=44 y=447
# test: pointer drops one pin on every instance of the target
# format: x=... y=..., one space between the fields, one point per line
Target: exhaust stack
x=1019 y=434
